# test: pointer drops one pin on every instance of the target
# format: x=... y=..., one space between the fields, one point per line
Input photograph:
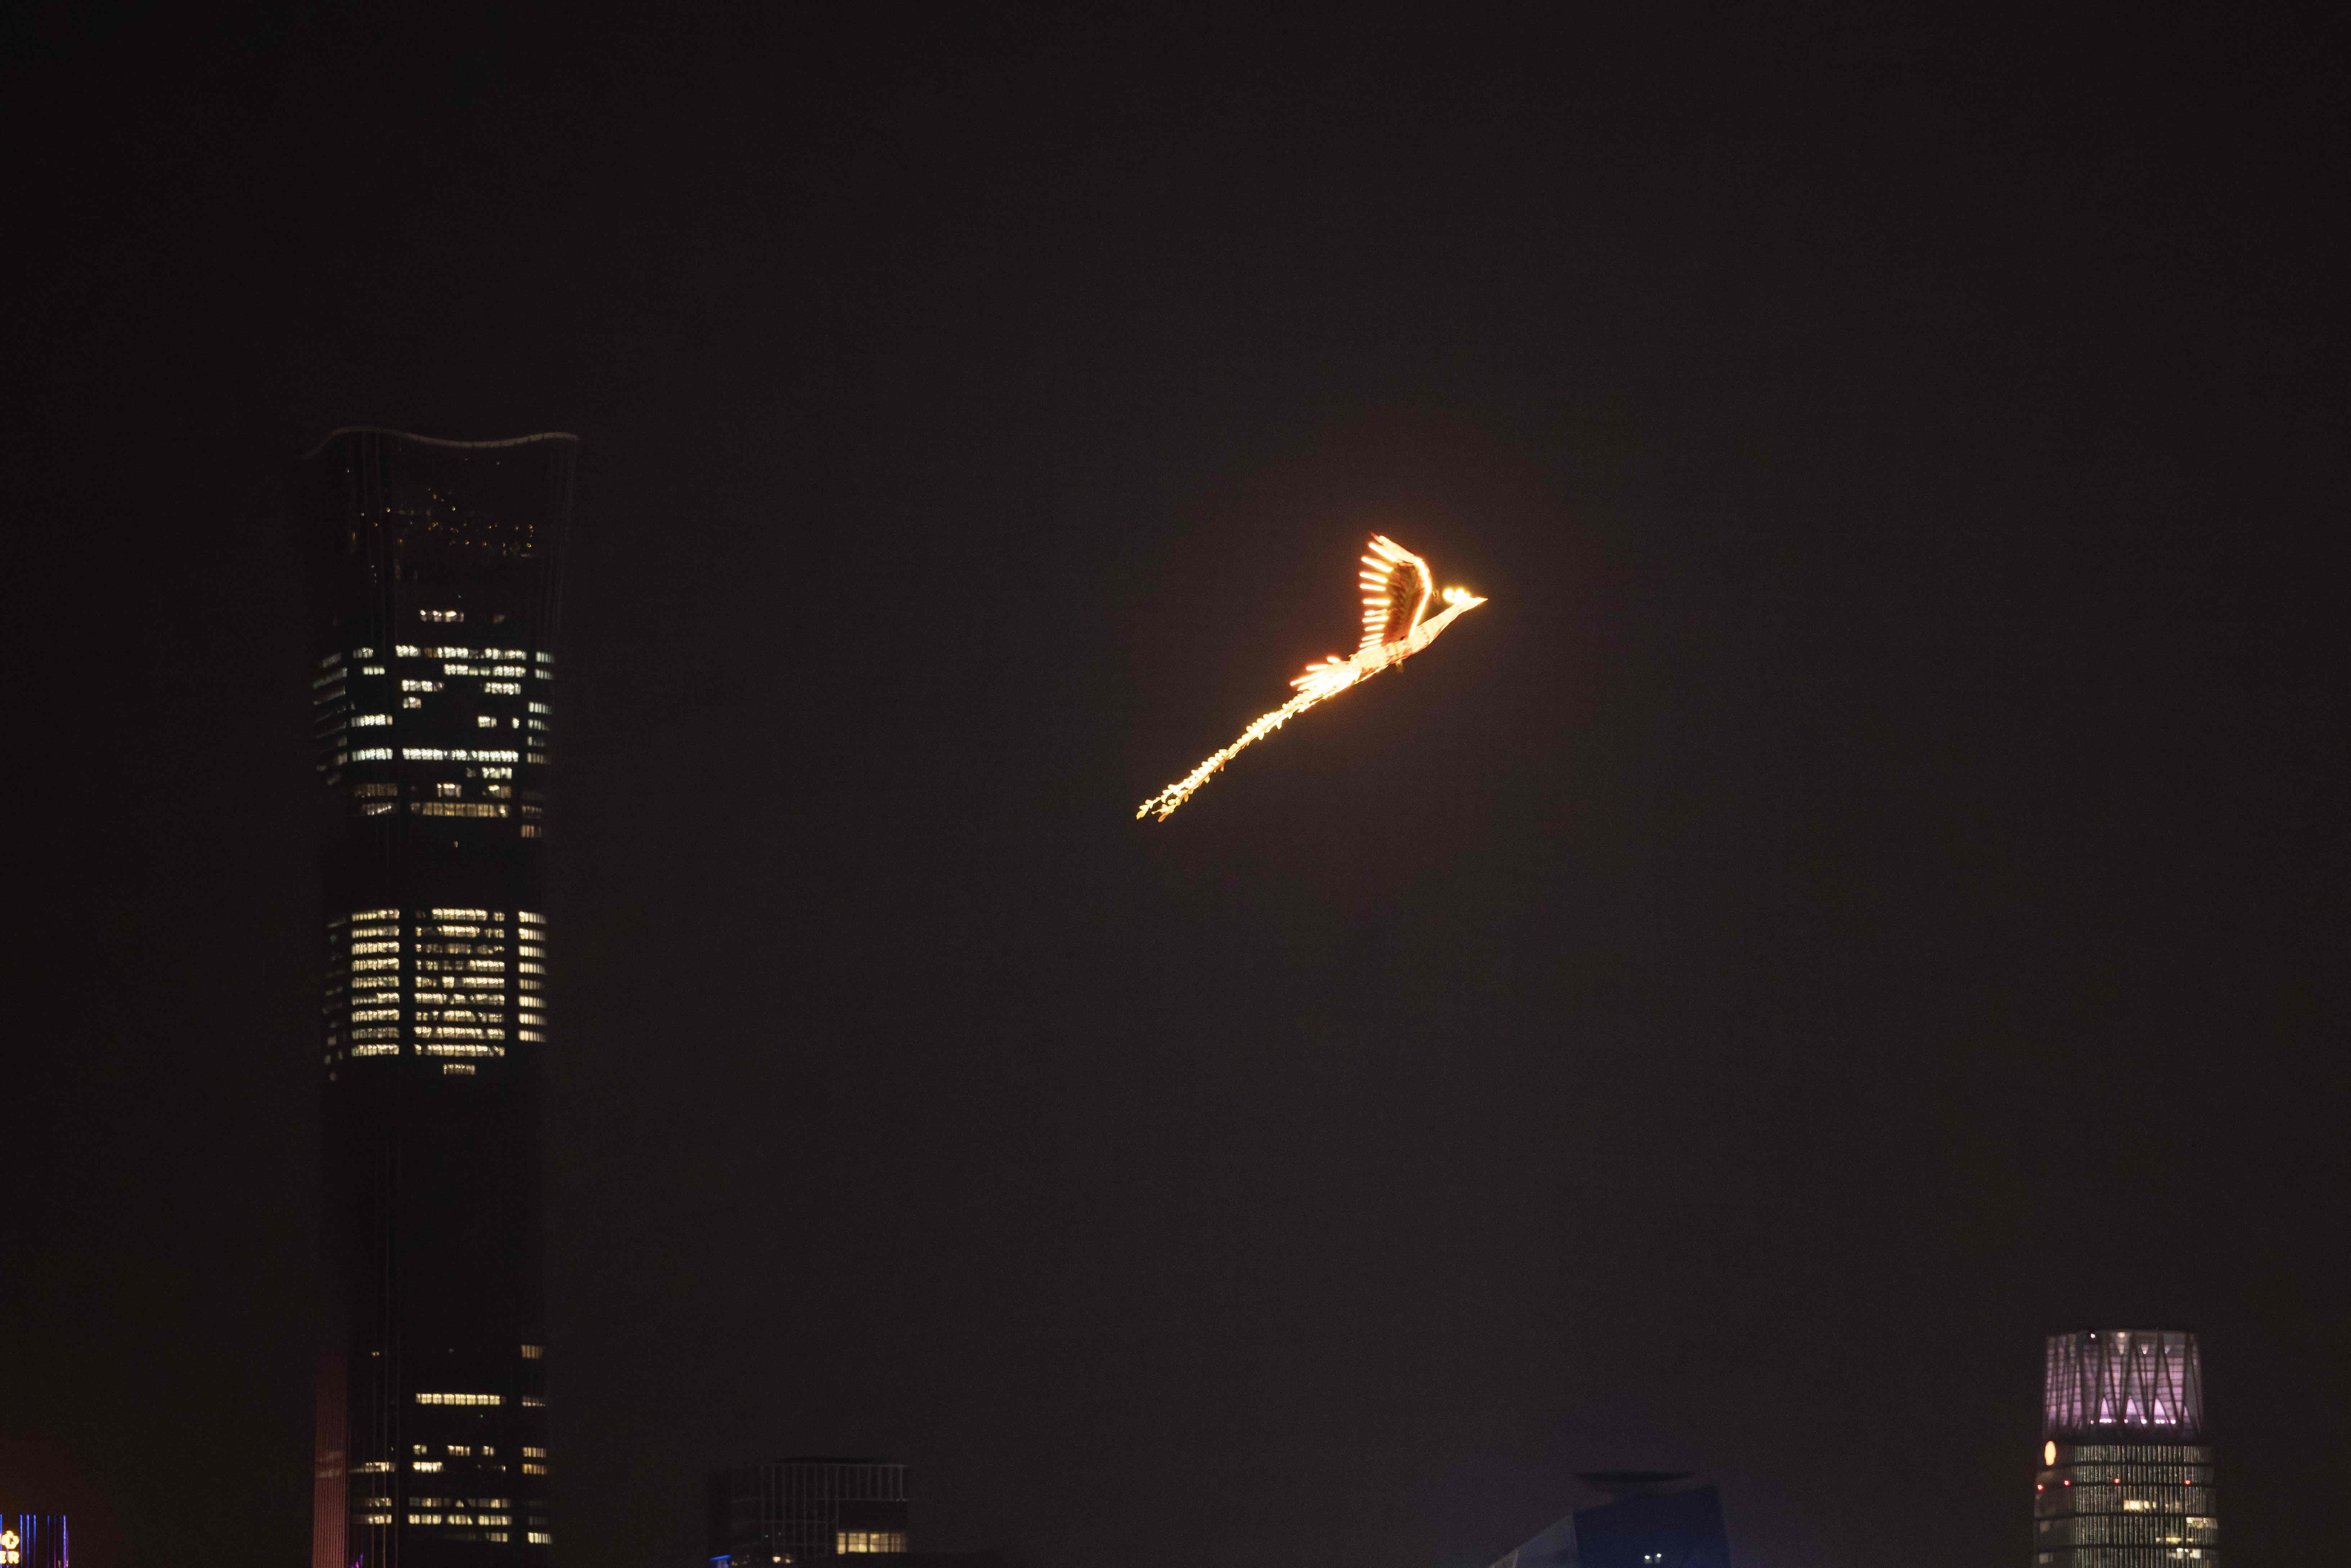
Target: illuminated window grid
x=440 y=982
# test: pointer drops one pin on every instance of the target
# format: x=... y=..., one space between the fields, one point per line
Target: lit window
x=371 y=669
x=461 y=1451
x=364 y=719
x=532 y=1468
x=427 y=1466
x=544 y=658
x=464 y=1068
x=420 y=685
x=372 y=754
x=330 y=659
x=541 y=1538
x=847 y=1541
x=542 y=707
x=443 y=617
x=497 y=772
x=502 y=688
x=485 y=721
x=525 y=915
x=534 y=1453
x=461 y=1399
x=412 y=702
x=373 y=1468
x=534 y=1402
x=405 y=651
x=534 y=1352
x=537 y=1038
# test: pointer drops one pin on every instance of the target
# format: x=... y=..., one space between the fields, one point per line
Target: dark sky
x=1867 y=893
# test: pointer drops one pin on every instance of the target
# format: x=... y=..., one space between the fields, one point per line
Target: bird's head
x=1462 y=598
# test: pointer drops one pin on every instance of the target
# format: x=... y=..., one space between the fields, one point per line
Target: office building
x=2125 y=1477
x=799 y=1511
x=1650 y=1521
x=434 y=576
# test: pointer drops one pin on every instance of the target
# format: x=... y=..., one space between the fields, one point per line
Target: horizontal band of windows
x=462 y=1068
x=461 y=1399
x=456 y=809
x=461 y=1047
x=533 y=1467
x=363 y=721
x=531 y=1035
x=530 y=968
x=533 y=1402
x=541 y=707
x=450 y=754
x=375 y=948
x=375 y=1051
x=375 y=1031
x=541 y=1538
x=503 y=688
x=440 y=1032
x=375 y=1014
x=372 y=754
x=528 y=918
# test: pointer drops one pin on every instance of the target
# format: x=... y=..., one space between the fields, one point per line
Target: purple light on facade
x=2109 y=1382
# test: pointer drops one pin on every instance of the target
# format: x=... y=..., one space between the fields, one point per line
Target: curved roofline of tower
x=433 y=440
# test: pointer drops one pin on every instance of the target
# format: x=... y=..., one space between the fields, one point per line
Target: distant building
x=1650 y=1523
x=435 y=573
x=799 y=1511
x=33 y=1540
x=2125 y=1479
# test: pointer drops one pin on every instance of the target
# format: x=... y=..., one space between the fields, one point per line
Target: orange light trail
x=1392 y=578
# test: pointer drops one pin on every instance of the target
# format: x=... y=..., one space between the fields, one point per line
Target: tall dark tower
x=2125 y=1479
x=435 y=580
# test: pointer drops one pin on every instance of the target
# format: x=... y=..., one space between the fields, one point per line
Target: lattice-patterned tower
x=434 y=576
x=2125 y=1479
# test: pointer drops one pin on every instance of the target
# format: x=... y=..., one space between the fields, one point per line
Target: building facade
x=34 y=1540
x=799 y=1511
x=1652 y=1520
x=2125 y=1476
x=435 y=577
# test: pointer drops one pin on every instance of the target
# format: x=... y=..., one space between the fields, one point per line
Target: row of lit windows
x=2142 y=1475
x=2131 y=1530
x=847 y=1541
x=2093 y=1499
x=446 y=753
x=2134 y=1453
x=461 y=1399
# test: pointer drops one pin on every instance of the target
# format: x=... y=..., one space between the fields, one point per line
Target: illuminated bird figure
x=1397 y=587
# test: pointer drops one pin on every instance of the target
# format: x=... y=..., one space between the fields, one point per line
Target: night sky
x=1867 y=893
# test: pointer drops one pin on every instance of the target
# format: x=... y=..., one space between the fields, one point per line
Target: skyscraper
x=2126 y=1480
x=434 y=588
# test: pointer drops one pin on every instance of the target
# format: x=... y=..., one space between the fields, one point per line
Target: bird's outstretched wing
x=1397 y=586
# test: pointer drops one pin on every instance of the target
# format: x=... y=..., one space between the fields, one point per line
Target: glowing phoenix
x=1396 y=591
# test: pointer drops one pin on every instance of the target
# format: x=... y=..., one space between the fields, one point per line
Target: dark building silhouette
x=1649 y=1522
x=2125 y=1479
x=33 y=1540
x=798 y=1511
x=434 y=581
